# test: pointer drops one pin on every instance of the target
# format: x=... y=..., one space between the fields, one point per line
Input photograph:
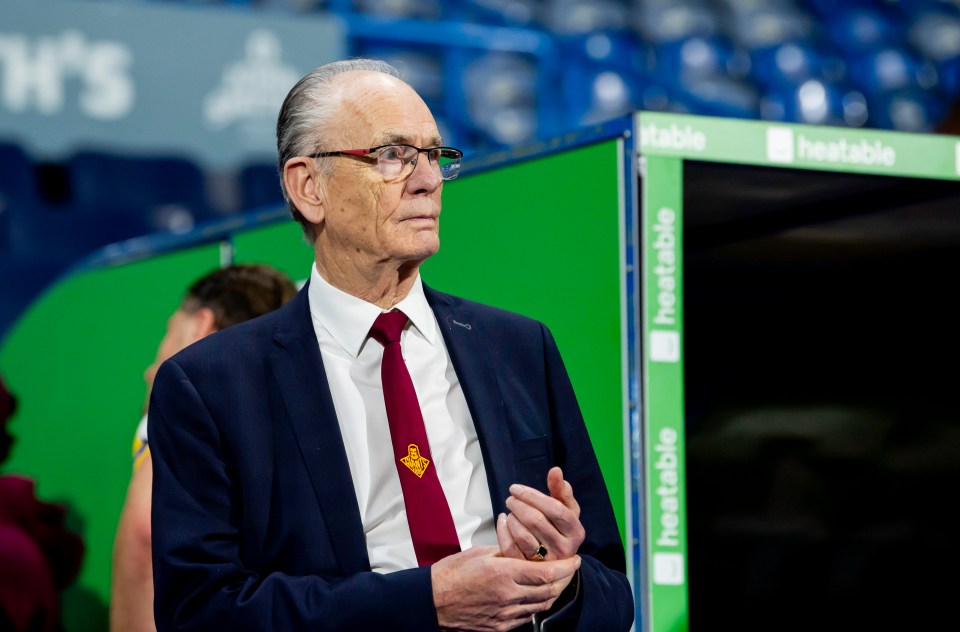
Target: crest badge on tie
x=414 y=461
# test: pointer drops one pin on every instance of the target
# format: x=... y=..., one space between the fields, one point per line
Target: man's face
x=182 y=329
x=368 y=221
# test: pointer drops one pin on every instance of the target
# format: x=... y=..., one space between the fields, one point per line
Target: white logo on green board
x=664 y=234
x=783 y=146
x=861 y=152
x=779 y=144
x=680 y=138
x=958 y=159
x=667 y=491
x=664 y=346
x=668 y=569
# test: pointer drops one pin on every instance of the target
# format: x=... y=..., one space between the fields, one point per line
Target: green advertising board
x=663 y=419
x=667 y=143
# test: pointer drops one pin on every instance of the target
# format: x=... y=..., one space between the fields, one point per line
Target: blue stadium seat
x=698 y=56
x=501 y=99
x=512 y=13
x=671 y=21
x=816 y=102
x=66 y=234
x=770 y=25
x=919 y=7
x=17 y=179
x=863 y=28
x=891 y=69
x=621 y=49
x=259 y=186
x=720 y=95
x=149 y=193
x=422 y=9
x=907 y=110
x=570 y=17
x=937 y=35
x=6 y=238
x=793 y=62
x=611 y=93
x=949 y=73
x=825 y=8
x=26 y=227
x=295 y=6
x=603 y=75
x=17 y=189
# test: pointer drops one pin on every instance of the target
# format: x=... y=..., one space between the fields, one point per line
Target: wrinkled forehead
x=378 y=109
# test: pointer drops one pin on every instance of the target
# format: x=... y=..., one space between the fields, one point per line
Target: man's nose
x=426 y=174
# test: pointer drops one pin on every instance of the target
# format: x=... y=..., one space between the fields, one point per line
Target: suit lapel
x=298 y=368
x=467 y=344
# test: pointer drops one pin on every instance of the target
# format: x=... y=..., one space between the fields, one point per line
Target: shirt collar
x=349 y=319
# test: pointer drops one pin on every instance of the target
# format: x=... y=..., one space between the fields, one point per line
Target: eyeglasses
x=398 y=161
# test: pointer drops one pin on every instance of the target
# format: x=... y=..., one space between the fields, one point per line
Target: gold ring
x=540 y=554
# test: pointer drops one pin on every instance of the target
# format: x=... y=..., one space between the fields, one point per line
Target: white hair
x=303 y=122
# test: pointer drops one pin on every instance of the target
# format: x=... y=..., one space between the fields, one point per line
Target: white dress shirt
x=351 y=360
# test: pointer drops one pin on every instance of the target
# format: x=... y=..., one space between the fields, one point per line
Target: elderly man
x=375 y=454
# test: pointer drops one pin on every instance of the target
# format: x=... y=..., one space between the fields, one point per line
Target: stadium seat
x=611 y=94
x=770 y=25
x=891 y=69
x=621 y=49
x=791 y=63
x=720 y=95
x=66 y=234
x=671 y=21
x=698 y=56
x=422 y=9
x=816 y=102
x=860 y=29
x=949 y=73
x=501 y=98
x=259 y=186
x=151 y=193
x=914 y=8
x=512 y=13
x=604 y=75
x=937 y=35
x=17 y=189
x=17 y=179
x=294 y=6
x=569 y=17
x=908 y=110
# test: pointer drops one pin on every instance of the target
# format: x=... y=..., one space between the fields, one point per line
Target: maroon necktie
x=431 y=525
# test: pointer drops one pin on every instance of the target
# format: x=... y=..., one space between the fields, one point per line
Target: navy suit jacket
x=255 y=521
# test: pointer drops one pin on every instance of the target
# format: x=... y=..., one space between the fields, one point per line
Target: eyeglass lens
x=396 y=160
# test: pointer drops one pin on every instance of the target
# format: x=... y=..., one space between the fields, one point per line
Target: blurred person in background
x=222 y=298
x=377 y=455
x=39 y=556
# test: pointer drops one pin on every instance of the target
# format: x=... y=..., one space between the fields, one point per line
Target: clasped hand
x=497 y=588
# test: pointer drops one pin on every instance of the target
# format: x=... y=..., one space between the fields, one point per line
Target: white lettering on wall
x=252 y=89
x=35 y=75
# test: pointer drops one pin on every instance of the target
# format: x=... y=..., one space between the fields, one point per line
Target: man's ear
x=305 y=187
x=204 y=323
